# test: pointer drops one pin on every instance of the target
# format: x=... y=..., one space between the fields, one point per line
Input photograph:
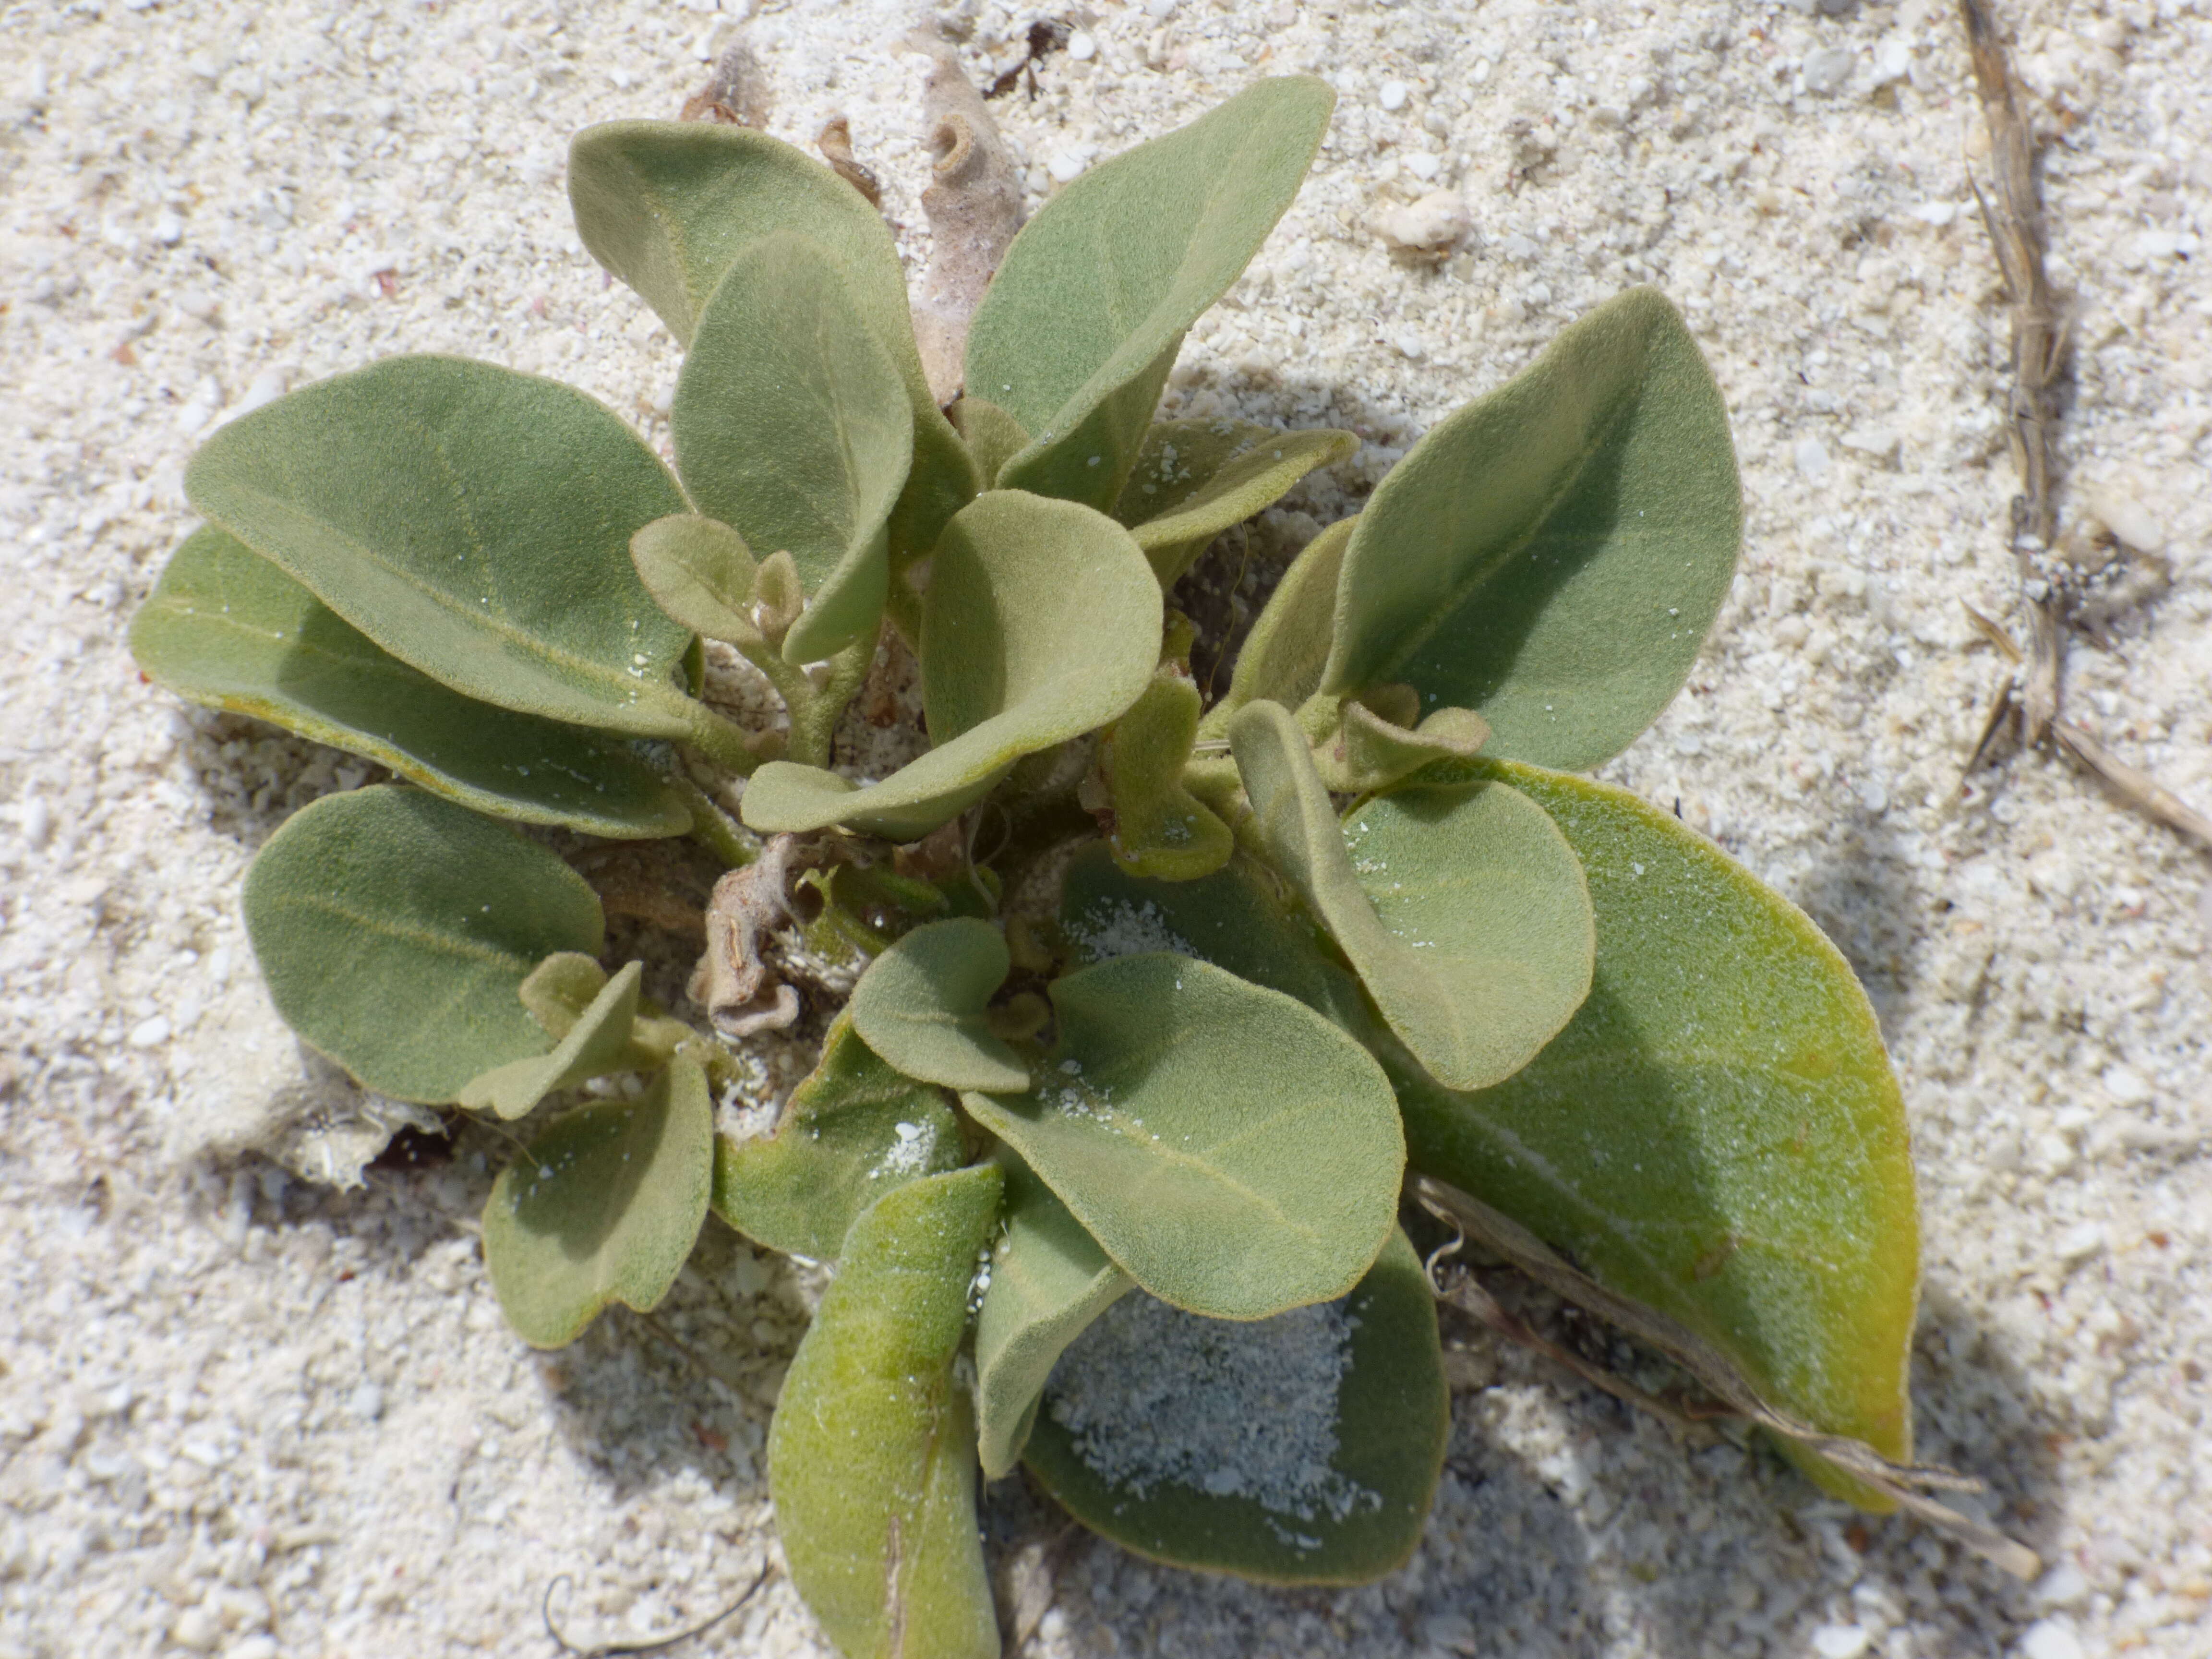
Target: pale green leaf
x=1463 y=911
x=1230 y=1149
x=921 y=1004
x=1159 y=828
x=226 y=627
x=560 y=989
x=1077 y=333
x=396 y=929
x=1551 y=556
x=872 y=1457
x=603 y=1207
x=792 y=427
x=1369 y=751
x=597 y=1043
x=1303 y=1450
x=1285 y=653
x=700 y=571
x=473 y=521
x=993 y=437
x=1194 y=478
x=1718 y=1133
x=852 y=1131
x=667 y=206
x=1041 y=622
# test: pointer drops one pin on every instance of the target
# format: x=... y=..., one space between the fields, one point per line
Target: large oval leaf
x=667 y=205
x=1232 y=1151
x=1462 y=909
x=791 y=427
x=852 y=1131
x=1718 y=1133
x=473 y=521
x=395 y=930
x=1049 y=1279
x=1193 y=478
x=1042 y=621
x=597 y=1043
x=1077 y=333
x=1553 y=554
x=920 y=1006
x=871 y=1459
x=1303 y=1450
x=604 y=1206
x=226 y=628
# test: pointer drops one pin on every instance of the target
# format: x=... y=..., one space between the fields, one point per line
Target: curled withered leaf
x=973 y=200
x=737 y=94
x=734 y=982
x=834 y=141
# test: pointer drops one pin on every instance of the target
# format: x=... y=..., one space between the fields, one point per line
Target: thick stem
x=713 y=828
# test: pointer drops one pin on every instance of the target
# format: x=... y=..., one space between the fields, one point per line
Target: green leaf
x=1718 y=1133
x=921 y=1004
x=700 y=571
x=473 y=521
x=226 y=627
x=668 y=205
x=396 y=929
x=597 y=1043
x=871 y=1459
x=1369 y=751
x=1462 y=909
x=1049 y=1279
x=1160 y=828
x=561 y=990
x=993 y=437
x=603 y=1207
x=1194 y=478
x=1077 y=333
x=1230 y=1149
x=1551 y=556
x=1303 y=1450
x=852 y=1131
x=791 y=427
x=1287 y=649
x=1042 y=621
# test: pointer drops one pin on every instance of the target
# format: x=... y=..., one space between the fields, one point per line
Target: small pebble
x=1081 y=47
x=1427 y=226
x=1828 y=69
x=1811 y=456
x=1065 y=168
x=1392 y=96
x=148 y=1033
x=2046 y=1638
x=2125 y=1085
x=1893 y=61
x=2132 y=524
x=196 y=1630
x=2081 y=1242
x=2063 y=1586
x=1841 y=1641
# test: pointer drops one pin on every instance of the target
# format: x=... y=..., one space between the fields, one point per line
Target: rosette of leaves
x=1107 y=1146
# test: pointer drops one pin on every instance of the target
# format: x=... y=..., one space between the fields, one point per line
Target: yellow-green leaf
x=597 y=1043
x=922 y=1005
x=1194 y=478
x=1160 y=828
x=872 y=1457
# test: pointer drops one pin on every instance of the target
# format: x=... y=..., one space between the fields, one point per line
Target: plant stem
x=714 y=828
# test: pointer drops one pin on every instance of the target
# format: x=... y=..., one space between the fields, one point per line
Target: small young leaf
x=561 y=990
x=667 y=205
x=1718 y=1133
x=871 y=1458
x=603 y=1207
x=920 y=1006
x=1369 y=752
x=850 y=1133
x=473 y=522
x=1160 y=828
x=993 y=437
x=700 y=571
x=1041 y=622
x=597 y=1043
x=1049 y=1280
x=792 y=428
x=1077 y=333
x=1463 y=911
x=1230 y=1149
x=1551 y=556
x=226 y=627
x=396 y=930
x=1304 y=1449
x=1194 y=478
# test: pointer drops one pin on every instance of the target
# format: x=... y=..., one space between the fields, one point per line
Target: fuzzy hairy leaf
x=871 y=1457
x=700 y=571
x=1553 y=554
x=1041 y=622
x=597 y=1043
x=667 y=206
x=1077 y=333
x=1367 y=751
x=1300 y=1450
x=1462 y=909
x=1233 y=1152
x=1287 y=650
x=226 y=628
x=1718 y=1133
x=473 y=521
x=603 y=1207
x=993 y=437
x=1194 y=478
x=791 y=427
x=1049 y=1279
x=1160 y=828
x=396 y=929
x=852 y=1131
x=920 y=1006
